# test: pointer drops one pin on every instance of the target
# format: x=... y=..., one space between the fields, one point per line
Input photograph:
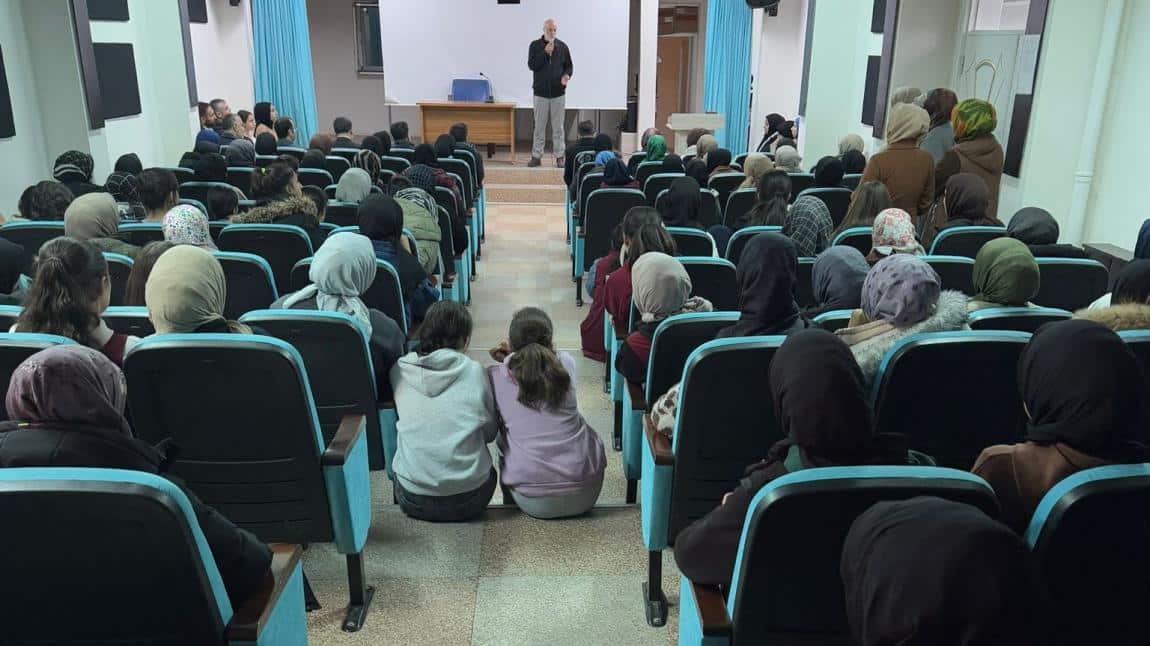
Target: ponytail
x=543 y=381
x=69 y=277
x=773 y=198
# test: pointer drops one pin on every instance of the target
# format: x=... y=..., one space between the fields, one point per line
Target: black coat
x=344 y=142
x=548 y=70
x=581 y=144
x=243 y=560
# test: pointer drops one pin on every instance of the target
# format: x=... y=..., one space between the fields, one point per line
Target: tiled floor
x=507 y=578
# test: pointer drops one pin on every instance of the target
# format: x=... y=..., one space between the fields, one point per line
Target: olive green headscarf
x=973 y=118
x=656 y=148
x=1005 y=273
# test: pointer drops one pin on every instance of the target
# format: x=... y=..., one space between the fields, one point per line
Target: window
x=369 y=45
x=998 y=15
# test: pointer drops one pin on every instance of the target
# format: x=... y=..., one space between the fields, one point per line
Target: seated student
x=384 y=137
x=322 y=142
x=828 y=173
x=655 y=147
x=823 y=408
x=459 y=133
x=693 y=142
x=372 y=144
x=443 y=469
x=681 y=204
x=381 y=219
x=771 y=202
x=186 y=292
x=1005 y=275
x=368 y=161
x=706 y=145
x=424 y=179
x=354 y=185
x=901 y=296
x=241 y=153
x=222 y=204
x=892 y=233
x=421 y=218
x=45 y=200
x=141 y=269
x=343 y=136
x=266 y=144
x=314 y=158
x=851 y=143
x=159 y=192
x=317 y=197
x=285 y=132
x=593 y=278
x=719 y=162
x=809 y=224
x=94 y=218
x=212 y=167
x=938 y=572
x=72 y=289
x=661 y=288
x=854 y=162
x=868 y=201
x=1129 y=307
x=73 y=169
x=1037 y=229
x=207 y=143
x=186 y=224
x=14 y=261
x=230 y=129
x=615 y=175
x=787 y=159
x=551 y=460
x=67 y=405
x=399 y=136
x=837 y=278
x=425 y=160
x=1141 y=252
x=1084 y=396
x=280 y=200
x=591 y=328
x=672 y=164
x=754 y=167
x=341 y=271
x=617 y=286
x=586 y=141
x=966 y=203
x=444 y=146
x=696 y=169
x=266 y=119
x=125 y=189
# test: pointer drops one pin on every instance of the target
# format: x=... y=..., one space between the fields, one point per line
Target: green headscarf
x=656 y=148
x=973 y=118
x=1005 y=273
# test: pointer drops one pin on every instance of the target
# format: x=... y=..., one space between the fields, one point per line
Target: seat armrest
x=713 y=617
x=249 y=619
x=385 y=405
x=659 y=444
x=620 y=336
x=350 y=428
x=638 y=397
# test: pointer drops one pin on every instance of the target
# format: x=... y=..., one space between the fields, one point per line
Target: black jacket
x=478 y=160
x=581 y=144
x=344 y=142
x=549 y=69
x=243 y=560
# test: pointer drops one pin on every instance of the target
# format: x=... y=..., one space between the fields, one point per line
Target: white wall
x=24 y=156
x=339 y=90
x=778 y=65
x=223 y=53
x=925 y=44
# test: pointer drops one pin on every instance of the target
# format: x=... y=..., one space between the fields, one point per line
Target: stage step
x=503 y=174
x=523 y=193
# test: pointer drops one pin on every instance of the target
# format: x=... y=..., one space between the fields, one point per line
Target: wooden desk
x=487 y=123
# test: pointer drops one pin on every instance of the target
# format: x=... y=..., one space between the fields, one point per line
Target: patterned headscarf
x=123 y=187
x=656 y=148
x=420 y=197
x=973 y=118
x=1006 y=273
x=422 y=176
x=368 y=161
x=73 y=166
x=69 y=385
x=185 y=224
x=901 y=290
x=809 y=224
x=893 y=233
x=341 y=271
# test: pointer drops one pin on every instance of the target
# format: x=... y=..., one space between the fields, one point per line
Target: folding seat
x=406 y=154
x=241 y=178
x=605 y=210
x=15 y=347
x=804 y=290
x=446 y=199
x=657 y=183
x=241 y=411
x=954 y=272
x=384 y=294
x=315 y=177
x=1070 y=283
x=709 y=212
x=714 y=280
x=692 y=242
x=472 y=161
x=141 y=233
x=1139 y=343
x=741 y=159
x=216 y=227
x=346 y=154
x=647 y=169
x=148 y=575
x=638 y=157
x=263 y=161
x=858 y=237
x=799 y=183
x=834 y=320
x=460 y=289
x=952 y=394
x=726 y=421
x=786 y=587
x=203 y=209
x=250 y=280
x=851 y=180
x=336 y=165
x=129 y=319
x=342 y=214
x=838 y=200
x=394 y=164
x=1089 y=535
x=31 y=234
x=724 y=184
x=964 y=241
x=281 y=245
x=742 y=237
x=198 y=191
x=738 y=203
x=1020 y=319
x=8 y=316
x=119 y=267
x=182 y=174
x=295 y=151
x=581 y=169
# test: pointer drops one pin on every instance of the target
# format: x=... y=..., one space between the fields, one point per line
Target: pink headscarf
x=894 y=233
x=69 y=385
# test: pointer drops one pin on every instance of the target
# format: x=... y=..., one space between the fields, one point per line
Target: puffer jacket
x=298 y=211
x=422 y=223
x=1128 y=316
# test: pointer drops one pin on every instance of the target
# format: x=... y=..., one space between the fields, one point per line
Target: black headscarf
x=603 y=142
x=266 y=144
x=829 y=172
x=697 y=169
x=837 y=278
x=1033 y=226
x=13 y=262
x=672 y=164
x=681 y=205
x=314 y=158
x=424 y=154
x=929 y=571
x=372 y=143
x=445 y=146
x=967 y=197
x=1082 y=386
x=129 y=163
x=1132 y=284
x=718 y=157
x=212 y=168
x=262 y=111
x=206 y=148
x=615 y=173
x=380 y=218
x=73 y=166
x=853 y=161
x=766 y=275
x=775 y=121
x=1142 y=245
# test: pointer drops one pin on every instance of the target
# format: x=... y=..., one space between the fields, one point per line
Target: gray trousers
x=547 y=507
x=553 y=108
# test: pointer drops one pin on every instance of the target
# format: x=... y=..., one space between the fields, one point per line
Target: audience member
x=551 y=461
x=381 y=219
x=1084 y=395
x=279 y=200
x=425 y=179
x=223 y=203
x=71 y=291
x=705 y=146
x=141 y=269
x=967 y=204
x=938 y=572
x=74 y=170
x=1142 y=244
x=640 y=221
x=809 y=224
x=384 y=137
x=906 y=170
x=591 y=329
x=771 y=124
x=314 y=158
x=67 y=409
x=1005 y=275
x=787 y=159
x=221 y=109
x=94 y=218
x=656 y=148
x=267 y=120
x=939 y=139
x=186 y=293
x=976 y=148
x=207 y=115
x=755 y=165
x=45 y=200
x=680 y=207
x=828 y=173
x=266 y=144
x=786 y=141
x=615 y=175
x=892 y=233
x=368 y=160
x=444 y=147
x=719 y=162
x=459 y=133
x=212 y=167
x=1129 y=303
x=343 y=136
x=14 y=261
x=673 y=164
x=424 y=161
x=186 y=224
x=372 y=144
x=696 y=169
x=290 y=160
x=125 y=189
x=129 y=163
x=854 y=162
x=242 y=153
x=284 y=131
x=837 y=279
x=447 y=416
x=1038 y=230
x=901 y=296
x=321 y=142
x=354 y=185
x=317 y=197
x=646 y=136
x=249 y=124
x=810 y=370
x=159 y=192
x=207 y=137
x=229 y=129
x=693 y=137
x=906 y=95
x=421 y=218
x=399 y=136
x=767 y=276
x=851 y=142
x=771 y=202
x=868 y=201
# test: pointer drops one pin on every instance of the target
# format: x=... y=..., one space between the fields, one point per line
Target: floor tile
x=605 y=541
x=431 y=612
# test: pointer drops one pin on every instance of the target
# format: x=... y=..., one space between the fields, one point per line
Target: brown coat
x=982 y=156
x=908 y=173
x=1021 y=474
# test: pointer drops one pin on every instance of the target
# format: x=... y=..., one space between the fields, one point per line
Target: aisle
x=507 y=578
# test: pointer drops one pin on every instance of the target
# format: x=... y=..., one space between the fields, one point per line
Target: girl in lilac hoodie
x=552 y=461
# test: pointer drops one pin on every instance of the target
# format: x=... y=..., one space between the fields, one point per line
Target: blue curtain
x=727 y=70
x=283 y=62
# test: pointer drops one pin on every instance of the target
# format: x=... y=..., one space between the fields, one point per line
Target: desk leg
x=511 y=118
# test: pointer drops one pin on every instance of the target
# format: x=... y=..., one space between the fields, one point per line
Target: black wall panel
x=197 y=11
x=7 y=120
x=119 y=84
x=870 y=91
x=114 y=10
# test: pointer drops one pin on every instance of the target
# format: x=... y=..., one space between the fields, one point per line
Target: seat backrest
x=129 y=319
x=742 y=237
x=590 y=183
x=141 y=233
x=346 y=154
x=336 y=164
x=724 y=184
x=466 y=179
x=714 y=280
x=137 y=529
x=817 y=508
x=251 y=282
x=741 y=159
x=656 y=183
x=838 y=201
x=445 y=197
x=581 y=169
x=738 y=203
x=241 y=178
x=799 y=183
x=182 y=174
x=692 y=242
x=32 y=235
x=954 y=272
x=8 y=316
x=584 y=157
x=833 y=320
x=471 y=158
x=295 y=151
x=924 y=389
x=606 y=208
x=394 y=164
x=119 y=268
x=216 y=227
x=330 y=190
x=851 y=180
x=674 y=340
x=342 y=214
x=858 y=237
x=240 y=409
x=1019 y=319
x=804 y=288
x=709 y=212
x=281 y=245
x=406 y=154
x=199 y=191
x=726 y=421
x=200 y=205
x=18 y=346
x=315 y=177
x=1070 y=283
x=1139 y=342
x=446 y=238
x=263 y=161
x=383 y=295
x=964 y=241
x=638 y=157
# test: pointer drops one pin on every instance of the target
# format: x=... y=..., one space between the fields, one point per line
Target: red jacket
x=591 y=329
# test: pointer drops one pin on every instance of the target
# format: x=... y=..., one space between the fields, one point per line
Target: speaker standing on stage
x=550 y=60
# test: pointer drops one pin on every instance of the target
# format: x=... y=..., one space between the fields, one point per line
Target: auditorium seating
x=709 y=213
x=851 y=180
x=281 y=245
x=18 y=346
x=1138 y=342
x=1021 y=319
x=31 y=234
x=804 y=290
x=657 y=183
x=605 y=210
x=394 y=164
x=954 y=272
x=346 y=154
x=241 y=178
x=692 y=242
x=383 y=295
x=1070 y=283
x=964 y=241
x=742 y=237
x=647 y=169
x=834 y=320
x=8 y=316
x=724 y=184
x=141 y=233
x=315 y=177
x=250 y=280
x=199 y=191
x=714 y=280
x=860 y=238
x=342 y=214
x=131 y=320
x=738 y=203
x=799 y=183
x=838 y=200
x=336 y=165
x=119 y=266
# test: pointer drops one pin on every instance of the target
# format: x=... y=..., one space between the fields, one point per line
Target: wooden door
x=671 y=82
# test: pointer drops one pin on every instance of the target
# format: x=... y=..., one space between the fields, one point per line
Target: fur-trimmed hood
x=1128 y=316
x=950 y=315
x=277 y=210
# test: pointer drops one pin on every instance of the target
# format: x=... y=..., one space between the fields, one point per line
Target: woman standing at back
x=976 y=148
x=905 y=169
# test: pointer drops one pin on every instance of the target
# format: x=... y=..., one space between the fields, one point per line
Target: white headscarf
x=341 y=271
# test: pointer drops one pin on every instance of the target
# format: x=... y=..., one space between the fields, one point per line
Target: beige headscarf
x=706 y=144
x=851 y=142
x=185 y=290
x=661 y=287
x=755 y=166
x=906 y=122
x=91 y=216
x=904 y=94
x=788 y=159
